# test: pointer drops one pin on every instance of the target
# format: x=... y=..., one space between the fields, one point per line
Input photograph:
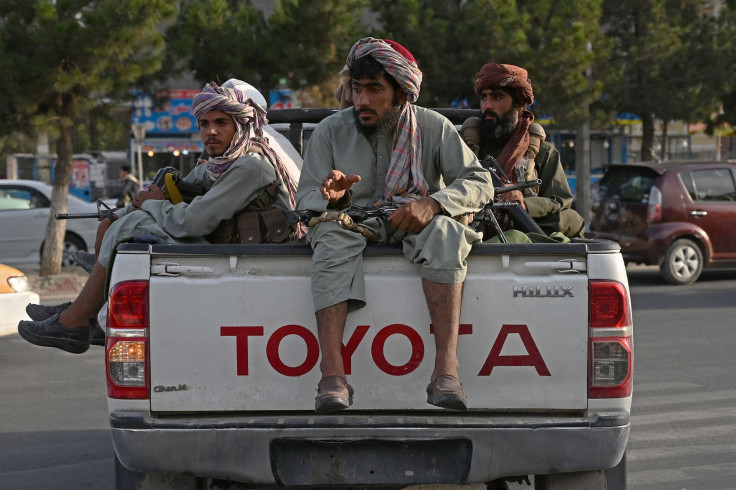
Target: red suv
x=678 y=215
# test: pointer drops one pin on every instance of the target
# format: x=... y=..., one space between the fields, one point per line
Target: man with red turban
x=506 y=131
x=384 y=149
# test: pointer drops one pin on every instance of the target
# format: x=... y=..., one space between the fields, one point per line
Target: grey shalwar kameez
x=188 y=223
x=455 y=180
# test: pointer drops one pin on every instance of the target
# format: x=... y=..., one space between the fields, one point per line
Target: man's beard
x=383 y=125
x=500 y=130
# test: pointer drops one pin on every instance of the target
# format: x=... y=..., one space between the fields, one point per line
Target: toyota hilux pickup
x=212 y=364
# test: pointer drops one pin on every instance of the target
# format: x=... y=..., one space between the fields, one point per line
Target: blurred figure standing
x=130 y=188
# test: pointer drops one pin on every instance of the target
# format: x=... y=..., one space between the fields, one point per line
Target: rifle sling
x=346 y=221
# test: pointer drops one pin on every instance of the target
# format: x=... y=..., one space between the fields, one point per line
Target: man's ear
x=402 y=97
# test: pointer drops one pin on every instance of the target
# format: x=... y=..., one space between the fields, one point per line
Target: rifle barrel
x=76 y=216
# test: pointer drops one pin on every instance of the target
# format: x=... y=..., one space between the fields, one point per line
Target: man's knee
x=333 y=237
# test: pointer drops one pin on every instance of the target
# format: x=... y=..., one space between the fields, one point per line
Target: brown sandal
x=447 y=392
x=333 y=394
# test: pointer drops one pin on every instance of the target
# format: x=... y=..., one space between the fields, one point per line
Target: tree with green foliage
x=557 y=42
x=669 y=63
x=304 y=41
x=59 y=59
x=434 y=32
x=726 y=43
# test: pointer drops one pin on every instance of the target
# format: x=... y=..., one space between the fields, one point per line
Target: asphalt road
x=54 y=429
x=683 y=420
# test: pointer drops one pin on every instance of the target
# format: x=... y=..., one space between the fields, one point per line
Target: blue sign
x=174 y=117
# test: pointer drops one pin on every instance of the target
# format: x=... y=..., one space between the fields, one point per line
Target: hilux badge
x=543 y=291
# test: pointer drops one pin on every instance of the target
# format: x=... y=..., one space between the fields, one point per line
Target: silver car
x=24 y=215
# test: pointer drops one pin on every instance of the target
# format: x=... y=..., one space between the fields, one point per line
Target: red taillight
x=654 y=210
x=127 y=343
x=609 y=305
x=128 y=305
x=610 y=350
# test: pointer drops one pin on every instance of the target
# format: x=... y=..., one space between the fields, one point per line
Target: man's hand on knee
x=414 y=216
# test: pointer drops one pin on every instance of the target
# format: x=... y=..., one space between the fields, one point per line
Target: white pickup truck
x=212 y=362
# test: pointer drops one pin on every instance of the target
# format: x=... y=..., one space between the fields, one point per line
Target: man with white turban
x=386 y=150
x=240 y=166
x=278 y=142
x=285 y=151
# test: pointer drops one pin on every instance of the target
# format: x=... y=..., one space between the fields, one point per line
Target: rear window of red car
x=627 y=184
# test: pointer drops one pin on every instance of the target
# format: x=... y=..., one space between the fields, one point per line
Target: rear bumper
x=355 y=449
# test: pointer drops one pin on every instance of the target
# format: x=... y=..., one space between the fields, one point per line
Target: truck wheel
x=683 y=262
x=579 y=480
x=126 y=479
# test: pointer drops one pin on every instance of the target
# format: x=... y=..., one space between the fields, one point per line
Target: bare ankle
x=68 y=321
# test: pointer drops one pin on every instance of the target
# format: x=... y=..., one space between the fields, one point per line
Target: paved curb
x=64 y=284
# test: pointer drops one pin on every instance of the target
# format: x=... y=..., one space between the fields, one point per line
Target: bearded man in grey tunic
x=386 y=150
x=240 y=166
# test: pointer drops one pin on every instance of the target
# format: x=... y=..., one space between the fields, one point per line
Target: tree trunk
x=43 y=162
x=663 y=155
x=647 y=138
x=53 y=247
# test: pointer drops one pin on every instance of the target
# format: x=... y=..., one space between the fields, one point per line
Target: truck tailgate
x=248 y=342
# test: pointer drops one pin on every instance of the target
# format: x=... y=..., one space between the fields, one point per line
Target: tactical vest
x=258 y=222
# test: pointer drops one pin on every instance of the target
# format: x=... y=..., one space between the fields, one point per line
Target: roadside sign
x=175 y=116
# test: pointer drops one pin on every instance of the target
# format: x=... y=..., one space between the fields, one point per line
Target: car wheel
x=72 y=243
x=683 y=262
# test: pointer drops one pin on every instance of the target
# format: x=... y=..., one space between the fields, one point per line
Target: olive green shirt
x=554 y=193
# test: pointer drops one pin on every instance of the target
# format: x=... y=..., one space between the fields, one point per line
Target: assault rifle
x=102 y=211
x=167 y=179
x=521 y=218
x=356 y=213
x=514 y=210
x=171 y=181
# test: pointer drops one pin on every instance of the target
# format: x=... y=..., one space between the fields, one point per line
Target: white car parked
x=24 y=215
